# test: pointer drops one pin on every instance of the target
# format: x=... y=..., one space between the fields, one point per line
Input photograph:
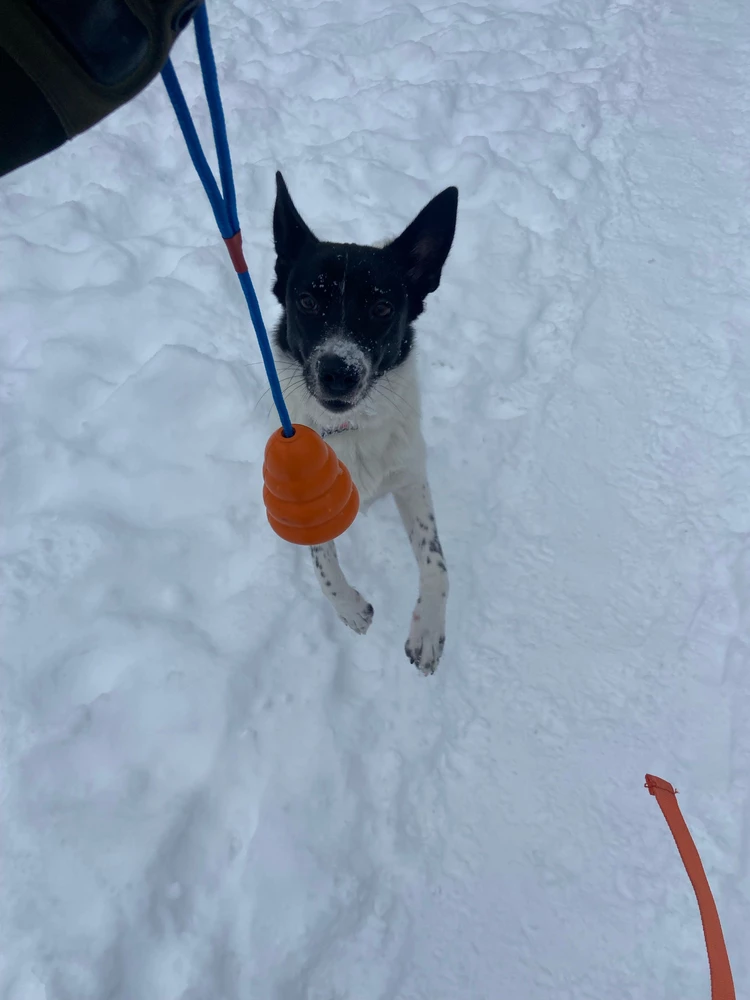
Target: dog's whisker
x=388 y=392
x=288 y=389
x=253 y=364
x=292 y=386
x=283 y=382
x=387 y=386
x=289 y=392
x=260 y=399
x=390 y=402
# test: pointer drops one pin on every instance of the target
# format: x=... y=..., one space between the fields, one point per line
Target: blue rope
x=224 y=205
x=218 y=123
x=197 y=155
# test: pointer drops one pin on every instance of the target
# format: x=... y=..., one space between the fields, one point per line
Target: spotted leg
x=348 y=603
x=424 y=646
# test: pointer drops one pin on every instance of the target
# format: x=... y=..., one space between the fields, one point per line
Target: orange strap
x=722 y=985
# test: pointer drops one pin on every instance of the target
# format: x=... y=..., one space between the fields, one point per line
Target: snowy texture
x=211 y=788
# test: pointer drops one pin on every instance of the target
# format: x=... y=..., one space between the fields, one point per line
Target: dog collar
x=346 y=426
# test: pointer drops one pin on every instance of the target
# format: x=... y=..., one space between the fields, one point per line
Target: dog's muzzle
x=340 y=376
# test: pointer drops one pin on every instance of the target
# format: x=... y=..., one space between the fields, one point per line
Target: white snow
x=212 y=790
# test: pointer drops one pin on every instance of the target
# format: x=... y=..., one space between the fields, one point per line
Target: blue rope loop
x=223 y=202
x=218 y=122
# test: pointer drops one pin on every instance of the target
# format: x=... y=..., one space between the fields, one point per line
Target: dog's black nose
x=337 y=376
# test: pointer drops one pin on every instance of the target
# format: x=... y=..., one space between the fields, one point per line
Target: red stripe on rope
x=234 y=246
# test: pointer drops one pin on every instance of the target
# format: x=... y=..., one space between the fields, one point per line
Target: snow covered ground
x=211 y=789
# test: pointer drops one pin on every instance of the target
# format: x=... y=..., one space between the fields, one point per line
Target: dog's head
x=348 y=309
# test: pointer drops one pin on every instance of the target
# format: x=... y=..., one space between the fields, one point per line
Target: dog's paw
x=355 y=612
x=424 y=647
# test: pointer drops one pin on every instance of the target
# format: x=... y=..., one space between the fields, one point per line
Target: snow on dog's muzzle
x=341 y=373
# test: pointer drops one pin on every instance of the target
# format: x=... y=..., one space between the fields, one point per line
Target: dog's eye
x=307 y=303
x=382 y=309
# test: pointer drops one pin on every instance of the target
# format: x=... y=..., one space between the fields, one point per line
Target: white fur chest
x=382 y=445
x=379 y=461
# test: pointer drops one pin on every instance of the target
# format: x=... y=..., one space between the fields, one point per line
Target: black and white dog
x=344 y=346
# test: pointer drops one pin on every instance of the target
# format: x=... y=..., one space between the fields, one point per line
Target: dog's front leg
x=427 y=634
x=348 y=603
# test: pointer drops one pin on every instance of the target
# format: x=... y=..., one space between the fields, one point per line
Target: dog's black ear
x=290 y=232
x=424 y=244
x=290 y=236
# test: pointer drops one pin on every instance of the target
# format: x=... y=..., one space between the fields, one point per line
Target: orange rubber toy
x=309 y=495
